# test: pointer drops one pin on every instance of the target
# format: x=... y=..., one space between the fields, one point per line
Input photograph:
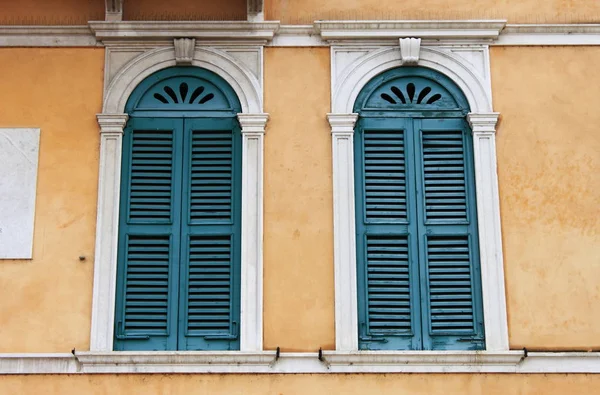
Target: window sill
x=85 y=362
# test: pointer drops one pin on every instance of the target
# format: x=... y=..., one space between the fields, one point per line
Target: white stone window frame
x=353 y=65
x=247 y=84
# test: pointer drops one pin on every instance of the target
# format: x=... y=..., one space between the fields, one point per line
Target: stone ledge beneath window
x=331 y=362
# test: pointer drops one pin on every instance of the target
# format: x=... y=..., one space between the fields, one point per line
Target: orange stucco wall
x=522 y=11
x=549 y=175
x=358 y=384
x=46 y=302
x=50 y=12
x=548 y=163
x=298 y=233
x=153 y=10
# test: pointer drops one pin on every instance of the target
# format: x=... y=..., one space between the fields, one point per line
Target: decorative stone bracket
x=114 y=10
x=409 y=51
x=184 y=50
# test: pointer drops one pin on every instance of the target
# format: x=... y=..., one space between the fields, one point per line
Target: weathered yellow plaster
x=521 y=11
x=549 y=176
x=172 y=10
x=45 y=303
x=298 y=221
x=50 y=12
x=549 y=161
x=304 y=384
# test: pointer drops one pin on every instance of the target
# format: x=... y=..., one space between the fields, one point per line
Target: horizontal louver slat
x=384 y=176
x=444 y=176
x=388 y=288
x=147 y=283
x=211 y=176
x=209 y=284
x=151 y=176
x=450 y=287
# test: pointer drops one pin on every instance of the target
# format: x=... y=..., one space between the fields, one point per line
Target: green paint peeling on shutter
x=148 y=235
x=419 y=282
x=450 y=277
x=209 y=311
x=178 y=281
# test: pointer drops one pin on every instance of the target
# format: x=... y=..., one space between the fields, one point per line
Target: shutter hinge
x=128 y=337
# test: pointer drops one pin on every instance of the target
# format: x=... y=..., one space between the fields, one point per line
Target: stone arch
x=241 y=80
x=362 y=70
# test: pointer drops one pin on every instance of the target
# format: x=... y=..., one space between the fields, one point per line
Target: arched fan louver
x=183 y=89
x=408 y=96
x=198 y=96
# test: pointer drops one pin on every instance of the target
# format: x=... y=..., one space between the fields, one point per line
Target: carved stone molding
x=112 y=123
x=409 y=51
x=114 y=10
x=255 y=10
x=431 y=31
x=483 y=122
x=143 y=32
x=353 y=64
x=136 y=51
x=184 y=50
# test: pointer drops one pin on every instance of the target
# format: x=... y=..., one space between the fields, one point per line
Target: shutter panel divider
x=386 y=241
x=209 y=306
x=148 y=236
x=452 y=310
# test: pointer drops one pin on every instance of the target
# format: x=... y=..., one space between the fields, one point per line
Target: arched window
x=418 y=271
x=178 y=265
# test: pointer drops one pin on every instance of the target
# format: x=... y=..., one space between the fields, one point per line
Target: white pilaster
x=251 y=323
x=107 y=222
x=344 y=253
x=490 y=236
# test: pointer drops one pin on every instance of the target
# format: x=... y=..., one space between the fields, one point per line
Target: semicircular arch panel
x=411 y=89
x=183 y=89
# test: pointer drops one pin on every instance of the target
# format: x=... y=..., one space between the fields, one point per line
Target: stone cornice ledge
x=468 y=30
x=331 y=362
x=550 y=34
x=46 y=36
x=201 y=30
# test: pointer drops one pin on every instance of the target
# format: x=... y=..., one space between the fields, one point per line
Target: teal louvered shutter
x=416 y=217
x=386 y=238
x=178 y=263
x=148 y=236
x=452 y=310
x=210 y=276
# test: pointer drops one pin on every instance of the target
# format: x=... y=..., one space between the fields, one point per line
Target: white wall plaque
x=19 y=148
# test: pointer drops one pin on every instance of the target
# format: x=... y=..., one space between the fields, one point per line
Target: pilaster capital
x=253 y=123
x=342 y=123
x=483 y=122
x=112 y=123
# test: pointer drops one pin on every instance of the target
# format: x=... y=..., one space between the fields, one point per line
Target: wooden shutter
x=209 y=312
x=450 y=279
x=179 y=237
x=386 y=243
x=419 y=285
x=148 y=236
